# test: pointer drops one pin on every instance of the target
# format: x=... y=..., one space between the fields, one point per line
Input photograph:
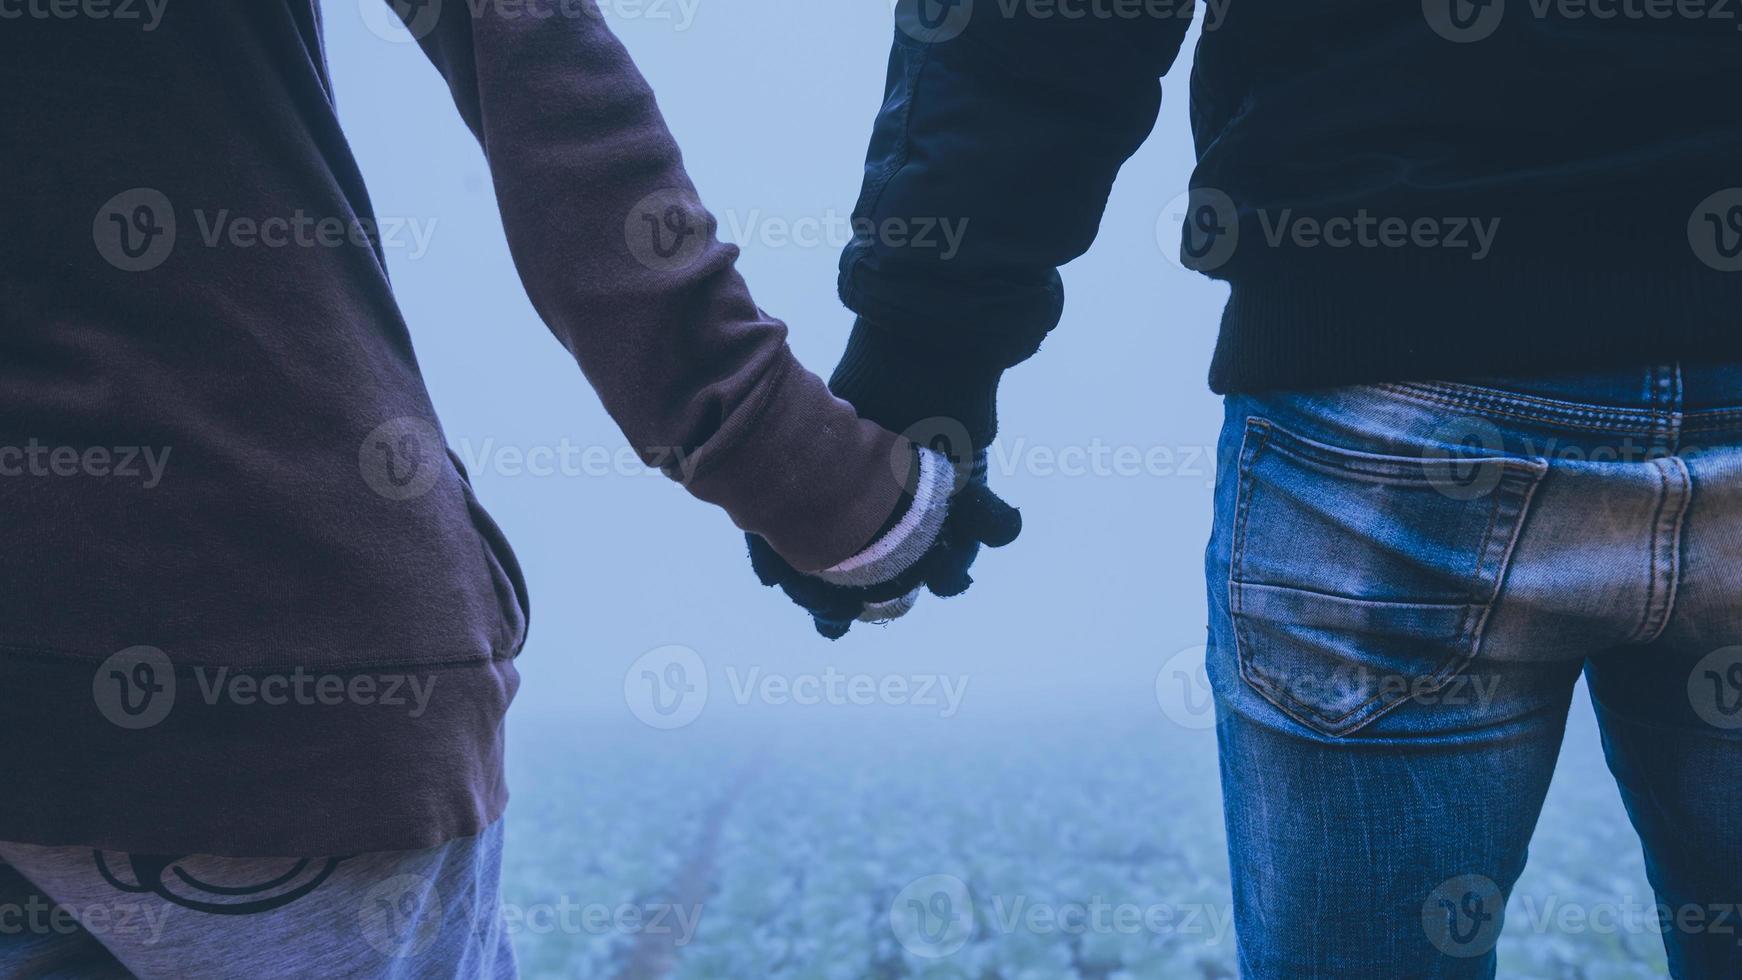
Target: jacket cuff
x=805 y=472
x=901 y=545
x=907 y=386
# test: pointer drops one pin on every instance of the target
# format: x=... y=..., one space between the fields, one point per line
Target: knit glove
x=927 y=544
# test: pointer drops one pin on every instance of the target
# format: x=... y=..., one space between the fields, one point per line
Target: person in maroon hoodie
x=195 y=662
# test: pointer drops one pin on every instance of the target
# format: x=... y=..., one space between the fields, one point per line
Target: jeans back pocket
x=1359 y=581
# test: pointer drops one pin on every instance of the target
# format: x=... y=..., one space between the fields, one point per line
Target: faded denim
x=1406 y=582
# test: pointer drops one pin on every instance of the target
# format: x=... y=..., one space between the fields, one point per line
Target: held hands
x=930 y=544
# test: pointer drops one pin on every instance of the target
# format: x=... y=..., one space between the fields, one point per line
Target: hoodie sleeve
x=621 y=261
x=1002 y=128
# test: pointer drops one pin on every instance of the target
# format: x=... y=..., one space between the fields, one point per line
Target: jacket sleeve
x=620 y=260
x=1004 y=125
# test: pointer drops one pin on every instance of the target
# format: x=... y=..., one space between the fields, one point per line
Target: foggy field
x=1086 y=852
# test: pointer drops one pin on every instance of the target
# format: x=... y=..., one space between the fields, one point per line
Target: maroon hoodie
x=249 y=604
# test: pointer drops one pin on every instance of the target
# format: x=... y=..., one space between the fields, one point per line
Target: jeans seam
x=1673 y=538
x=1710 y=420
x=1665 y=559
x=1598 y=420
x=1503 y=562
x=1472 y=394
x=1646 y=614
x=1237 y=555
x=1712 y=414
x=1389 y=471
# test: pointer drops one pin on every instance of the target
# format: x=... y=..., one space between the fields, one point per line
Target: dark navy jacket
x=1392 y=189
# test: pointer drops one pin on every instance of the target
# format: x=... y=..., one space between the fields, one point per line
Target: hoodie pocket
x=510 y=581
x=1360 y=581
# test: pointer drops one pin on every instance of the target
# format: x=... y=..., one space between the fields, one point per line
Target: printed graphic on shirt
x=219 y=886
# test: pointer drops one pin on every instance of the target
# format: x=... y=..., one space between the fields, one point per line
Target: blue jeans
x=1406 y=582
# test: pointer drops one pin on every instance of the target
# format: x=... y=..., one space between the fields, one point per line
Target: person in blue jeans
x=1482 y=360
x=1406 y=581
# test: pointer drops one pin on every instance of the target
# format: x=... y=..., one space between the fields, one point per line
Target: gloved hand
x=929 y=545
